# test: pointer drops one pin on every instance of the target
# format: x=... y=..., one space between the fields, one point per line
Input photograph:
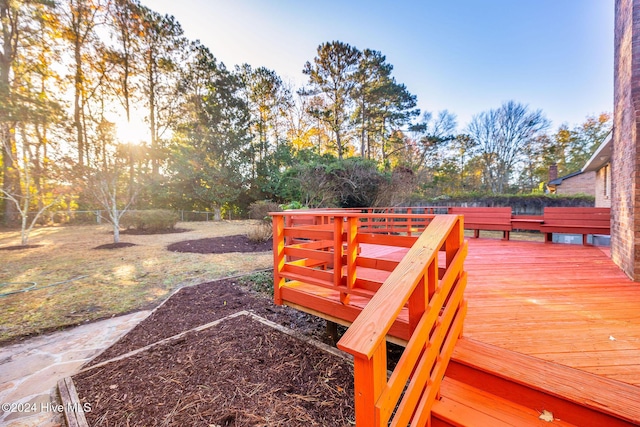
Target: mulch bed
x=198 y=305
x=239 y=372
x=115 y=245
x=221 y=245
x=236 y=373
x=18 y=247
x=145 y=232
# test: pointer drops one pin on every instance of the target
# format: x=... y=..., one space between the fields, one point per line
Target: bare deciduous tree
x=501 y=137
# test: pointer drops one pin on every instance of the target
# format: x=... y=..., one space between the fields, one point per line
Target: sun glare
x=133 y=132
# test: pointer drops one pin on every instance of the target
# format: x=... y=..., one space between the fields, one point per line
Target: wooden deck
x=568 y=304
x=539 y=313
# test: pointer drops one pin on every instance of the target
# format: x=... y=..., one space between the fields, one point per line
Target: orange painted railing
x=428 y=282
x=436 y=314
x=321 y=247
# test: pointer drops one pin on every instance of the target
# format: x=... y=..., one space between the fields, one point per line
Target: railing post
x=370 y=377
x=278 y=258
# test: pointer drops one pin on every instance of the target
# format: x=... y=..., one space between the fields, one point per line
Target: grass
x=79 y=284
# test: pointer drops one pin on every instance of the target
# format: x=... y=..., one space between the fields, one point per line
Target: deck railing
x=322 y=247
x=428 y=282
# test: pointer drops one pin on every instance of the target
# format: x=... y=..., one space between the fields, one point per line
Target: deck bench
x=526 y=222
x=490 y=219
x=583 y=221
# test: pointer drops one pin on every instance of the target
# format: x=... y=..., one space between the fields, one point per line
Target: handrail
x=436 y=313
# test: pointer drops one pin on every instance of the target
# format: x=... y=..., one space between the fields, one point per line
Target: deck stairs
x=489 y=386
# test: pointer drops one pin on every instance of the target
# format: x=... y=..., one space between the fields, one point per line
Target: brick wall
x=625 y=233
x=585 y=183
x=603 y=187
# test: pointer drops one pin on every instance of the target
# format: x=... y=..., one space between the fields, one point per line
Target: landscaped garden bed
x=238 y=372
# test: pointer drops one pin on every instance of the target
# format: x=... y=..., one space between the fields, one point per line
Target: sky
x=465 y=56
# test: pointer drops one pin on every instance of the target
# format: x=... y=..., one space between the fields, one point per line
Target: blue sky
x=466 y=56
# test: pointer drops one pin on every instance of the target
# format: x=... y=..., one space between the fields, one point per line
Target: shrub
x=261 y=232
x=261 y=281
x=293 y=205
x=150 y=220
x=260 y=210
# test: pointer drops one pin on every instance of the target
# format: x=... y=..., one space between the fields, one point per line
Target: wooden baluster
x=417 y=304
x=288 y=222
x=338 y=228
x=370 y=377
x=432 y=278
x=454 y=240
x=278 y=257
x=352 y=250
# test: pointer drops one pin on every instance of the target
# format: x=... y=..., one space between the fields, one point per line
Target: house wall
x=625 y=211
x=603 y=187
x=580 y=184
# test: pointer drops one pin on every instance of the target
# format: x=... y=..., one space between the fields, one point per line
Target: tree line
x=218 y=138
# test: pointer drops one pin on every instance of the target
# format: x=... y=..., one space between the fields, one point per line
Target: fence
x=97 y=216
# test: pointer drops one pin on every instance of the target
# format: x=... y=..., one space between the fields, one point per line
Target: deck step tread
x=463 y=405
x=583 y=388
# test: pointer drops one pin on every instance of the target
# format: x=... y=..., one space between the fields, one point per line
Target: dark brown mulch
x=18 y=247
x=115 y=245
x=143 y=232
x=221 y=245
x=237 y=373
x=201 y=304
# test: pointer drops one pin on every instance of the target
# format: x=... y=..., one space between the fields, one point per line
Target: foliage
x=210 y=146
x=75 y=74
x=260 y=210
x=261 y=281
x=519 y=202
x=292 y=205
x=502 y=137
x=331 y=182
x=260 y=232
x=150 y=220
x=332 y=74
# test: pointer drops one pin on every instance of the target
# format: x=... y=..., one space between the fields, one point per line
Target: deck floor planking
x=569 y=304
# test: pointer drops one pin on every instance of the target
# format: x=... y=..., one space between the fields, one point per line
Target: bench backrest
x=577 y=217
x=483 y=216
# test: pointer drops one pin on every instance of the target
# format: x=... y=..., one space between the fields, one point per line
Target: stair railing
x=434 y=297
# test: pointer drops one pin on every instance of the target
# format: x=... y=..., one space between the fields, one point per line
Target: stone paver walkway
x=29 y=371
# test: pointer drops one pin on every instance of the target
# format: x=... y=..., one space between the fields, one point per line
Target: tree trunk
x=77 y=119
x=217 y=213
x=363 y=131
x=10 y=177
x=155 y=168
